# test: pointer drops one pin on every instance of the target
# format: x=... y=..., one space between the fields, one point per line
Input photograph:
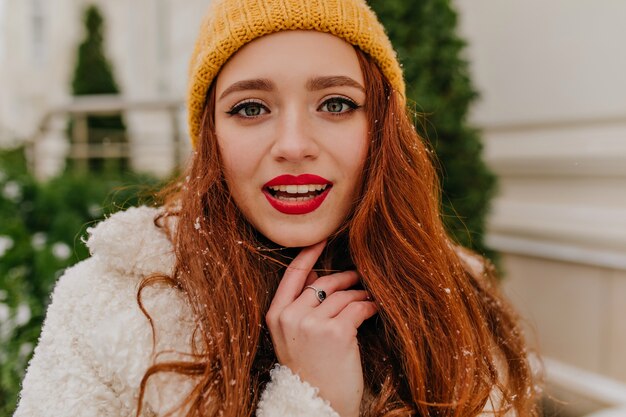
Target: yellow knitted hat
x=230 y=24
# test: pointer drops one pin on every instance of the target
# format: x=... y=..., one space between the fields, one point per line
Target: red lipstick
x=284 y=197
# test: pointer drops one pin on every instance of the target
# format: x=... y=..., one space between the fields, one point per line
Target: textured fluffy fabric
x=288 y=395
x=96 y=344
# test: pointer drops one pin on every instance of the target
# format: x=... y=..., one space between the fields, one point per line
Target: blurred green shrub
x=41 y=227
x=93 y=75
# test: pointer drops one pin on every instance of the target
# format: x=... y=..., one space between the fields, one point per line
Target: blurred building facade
x=553 y=115
x=148 y=43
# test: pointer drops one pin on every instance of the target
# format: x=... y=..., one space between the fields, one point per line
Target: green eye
x=338 y=105
x=248 y=109
x=335 y=107
x=252 y=110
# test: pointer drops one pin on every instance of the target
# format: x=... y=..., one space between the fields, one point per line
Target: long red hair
x=444 y=340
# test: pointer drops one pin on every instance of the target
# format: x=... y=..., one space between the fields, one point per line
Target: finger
x=329 y=284
x=311 y=278
x=337 y=281
x=292 y=283
x=357 y=312
x=338 y=301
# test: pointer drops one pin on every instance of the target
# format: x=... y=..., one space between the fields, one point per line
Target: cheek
x=234 y=162
x=236 y=172
x=353 y=151
x=241 y=149
x=235 y=150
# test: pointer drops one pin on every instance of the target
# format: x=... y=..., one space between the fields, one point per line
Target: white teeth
x=298 y=189
x=294 y=199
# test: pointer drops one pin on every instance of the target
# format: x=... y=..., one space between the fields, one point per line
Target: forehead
x=291 y=56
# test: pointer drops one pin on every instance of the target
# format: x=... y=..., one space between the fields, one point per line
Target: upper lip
x=303 y=179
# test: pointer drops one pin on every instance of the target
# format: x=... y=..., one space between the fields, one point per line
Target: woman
x=301 y=267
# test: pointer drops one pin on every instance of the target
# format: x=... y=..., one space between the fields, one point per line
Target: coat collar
x=130 y=243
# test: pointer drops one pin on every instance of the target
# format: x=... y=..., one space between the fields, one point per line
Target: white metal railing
x=602 y=396
x=535 y=247
x=554 y=124
x=80 y=149
x=609 y=412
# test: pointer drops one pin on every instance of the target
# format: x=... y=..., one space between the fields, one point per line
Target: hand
x=317 y=340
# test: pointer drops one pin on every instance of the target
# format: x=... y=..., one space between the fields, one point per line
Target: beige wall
x=578 y=310
x=537 y=60
x=553 y=111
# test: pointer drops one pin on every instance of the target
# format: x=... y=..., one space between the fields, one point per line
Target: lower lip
x=297 y=207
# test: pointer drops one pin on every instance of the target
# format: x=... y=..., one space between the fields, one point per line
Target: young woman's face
x=292 y=133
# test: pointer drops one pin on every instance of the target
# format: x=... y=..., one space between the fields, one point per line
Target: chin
x=295 y=241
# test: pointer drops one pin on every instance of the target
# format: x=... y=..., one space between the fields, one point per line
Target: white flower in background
x=61 y=251
x=38 y=240
x=12 y=191
x=6 y=243
x=5 y=312
x=6 y=327
x=25 y=349
x=3 y=295
x=94 y=210
x=22 y=315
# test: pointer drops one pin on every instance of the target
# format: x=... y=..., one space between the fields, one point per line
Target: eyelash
x=342 y=100
x=235 y=110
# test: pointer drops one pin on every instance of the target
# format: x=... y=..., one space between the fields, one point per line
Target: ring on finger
x=320 y=294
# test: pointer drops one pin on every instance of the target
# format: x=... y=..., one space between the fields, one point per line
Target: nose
x=295 y=138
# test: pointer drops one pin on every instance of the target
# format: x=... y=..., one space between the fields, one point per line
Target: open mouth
x=297 y=193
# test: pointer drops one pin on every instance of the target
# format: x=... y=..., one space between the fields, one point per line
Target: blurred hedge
x=41 y=230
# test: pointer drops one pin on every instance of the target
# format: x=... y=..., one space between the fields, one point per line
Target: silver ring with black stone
x=320 y=294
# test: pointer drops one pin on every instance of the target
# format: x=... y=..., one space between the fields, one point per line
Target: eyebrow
x=321 y=83
x=261 y=84
x=313 y=84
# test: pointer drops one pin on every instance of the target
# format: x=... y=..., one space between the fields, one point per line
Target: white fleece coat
x=96 y=344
